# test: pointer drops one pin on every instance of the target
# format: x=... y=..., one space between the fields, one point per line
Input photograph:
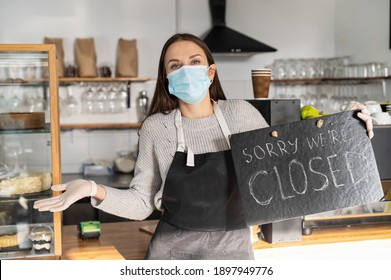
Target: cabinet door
x=29 y=151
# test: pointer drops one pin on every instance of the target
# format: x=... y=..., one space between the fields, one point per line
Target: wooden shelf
x=99 y=80
x=43 y=81
x=100 y=126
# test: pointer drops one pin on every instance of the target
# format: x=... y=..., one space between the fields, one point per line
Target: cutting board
x=24 y=120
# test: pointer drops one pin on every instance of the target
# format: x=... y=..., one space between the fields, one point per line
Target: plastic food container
x=41 y=237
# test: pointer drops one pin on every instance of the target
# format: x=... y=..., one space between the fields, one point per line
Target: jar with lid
x=124 y=162
x=41 y=237
x=142 y=105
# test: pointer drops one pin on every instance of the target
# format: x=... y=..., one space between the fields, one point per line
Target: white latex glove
x=365 y=115
x=74 y=190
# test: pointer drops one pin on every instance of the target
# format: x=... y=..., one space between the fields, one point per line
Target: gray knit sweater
x=157 y=146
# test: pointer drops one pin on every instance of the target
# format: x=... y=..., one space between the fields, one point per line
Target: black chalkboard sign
x=305 y=167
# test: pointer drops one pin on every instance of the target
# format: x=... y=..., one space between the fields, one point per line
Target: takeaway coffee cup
x=261 y=82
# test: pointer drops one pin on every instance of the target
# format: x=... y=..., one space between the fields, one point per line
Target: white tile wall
x=79 y=146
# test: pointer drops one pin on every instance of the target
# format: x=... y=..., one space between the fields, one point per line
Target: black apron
x=201 y=191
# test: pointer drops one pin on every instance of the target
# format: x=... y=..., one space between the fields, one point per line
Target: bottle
x=142 y=105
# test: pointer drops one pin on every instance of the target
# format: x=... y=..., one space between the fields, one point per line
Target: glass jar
x=41 y=237
x=124 y=162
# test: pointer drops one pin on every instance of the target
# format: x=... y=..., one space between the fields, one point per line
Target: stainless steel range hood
x=224 y=41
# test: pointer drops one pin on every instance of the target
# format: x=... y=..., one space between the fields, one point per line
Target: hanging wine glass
x=122 y=98
x=112 y=97
x=15 y=103
x=39 y=101
x=3 y=102
x=87 y=99
x=29 y=100
x=69 y=104
x=101 y=100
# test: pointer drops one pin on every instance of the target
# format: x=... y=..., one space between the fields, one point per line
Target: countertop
x=129 y=240
x=120 y=240
x=348 y=243
x=116 y=180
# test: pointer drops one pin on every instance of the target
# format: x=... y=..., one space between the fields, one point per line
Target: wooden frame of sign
x=305 y=167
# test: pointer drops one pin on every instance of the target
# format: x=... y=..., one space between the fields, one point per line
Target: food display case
x=29 y=151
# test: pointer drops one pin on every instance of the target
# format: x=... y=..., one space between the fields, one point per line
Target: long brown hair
x=163 y=101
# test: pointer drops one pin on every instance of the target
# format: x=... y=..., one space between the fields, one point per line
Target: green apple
x=308 y=112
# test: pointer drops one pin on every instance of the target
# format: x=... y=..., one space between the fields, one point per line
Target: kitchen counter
x=129 y=240
x=116 y=180
x=120 y=240
x=82 y=209
x=362 y=242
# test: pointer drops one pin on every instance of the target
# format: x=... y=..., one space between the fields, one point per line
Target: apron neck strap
x=223 y=124
x=179 y=131
x=182 y=147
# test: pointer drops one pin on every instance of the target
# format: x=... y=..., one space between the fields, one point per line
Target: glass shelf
x=65 y=80
x=29 y=196
x=26 y=250
x=23 y=83
x=45 y=129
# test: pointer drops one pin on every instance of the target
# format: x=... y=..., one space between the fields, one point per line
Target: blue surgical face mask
x=189 y=83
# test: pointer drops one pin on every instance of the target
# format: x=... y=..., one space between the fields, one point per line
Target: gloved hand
x=74 y=190
x=365 y=115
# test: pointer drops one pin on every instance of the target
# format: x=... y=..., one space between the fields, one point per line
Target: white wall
x=363 y=30
x=149 y=21
x=298 y=29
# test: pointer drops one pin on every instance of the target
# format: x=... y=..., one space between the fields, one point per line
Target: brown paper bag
x=86 y=57
x=127 y=60
x=60 y=53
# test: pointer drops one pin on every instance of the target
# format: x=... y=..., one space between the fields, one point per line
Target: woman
x=184 y=167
